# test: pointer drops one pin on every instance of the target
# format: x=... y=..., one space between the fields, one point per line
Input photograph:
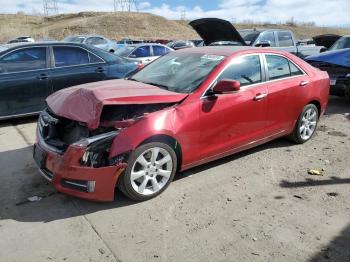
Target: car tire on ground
x=151 y=168
x=306 y=125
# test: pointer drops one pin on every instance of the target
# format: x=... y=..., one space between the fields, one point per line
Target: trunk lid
x=84 y=103
x=214 y=30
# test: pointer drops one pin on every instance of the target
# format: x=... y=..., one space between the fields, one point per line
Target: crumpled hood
x=337 y=57
x=84 y=103
x=215 y=30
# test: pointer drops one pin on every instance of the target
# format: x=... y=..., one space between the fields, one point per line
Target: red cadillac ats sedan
x=185 y=109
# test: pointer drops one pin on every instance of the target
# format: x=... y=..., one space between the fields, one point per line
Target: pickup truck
x=216 y=31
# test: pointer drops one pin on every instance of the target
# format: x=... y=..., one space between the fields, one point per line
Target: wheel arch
x=169 y=140
x=317 y=104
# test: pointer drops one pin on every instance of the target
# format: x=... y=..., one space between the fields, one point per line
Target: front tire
x=306 y=124
x=151 y=168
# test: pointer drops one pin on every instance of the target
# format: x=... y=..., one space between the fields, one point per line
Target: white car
x=22 y=39
x=94 y=40
x=143 y=53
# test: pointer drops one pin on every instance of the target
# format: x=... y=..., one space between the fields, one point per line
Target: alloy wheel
x=151 y=171
x=308 y=124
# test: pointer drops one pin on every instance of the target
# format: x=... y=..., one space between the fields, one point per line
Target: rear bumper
x=66 y=174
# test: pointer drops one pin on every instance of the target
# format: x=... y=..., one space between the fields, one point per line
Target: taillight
x=140 y=65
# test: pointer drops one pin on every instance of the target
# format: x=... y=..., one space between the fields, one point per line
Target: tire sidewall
x=297 y=127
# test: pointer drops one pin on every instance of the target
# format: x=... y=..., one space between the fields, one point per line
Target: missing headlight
x=97 y=152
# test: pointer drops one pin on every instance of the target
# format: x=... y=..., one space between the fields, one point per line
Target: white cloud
x=323 y=12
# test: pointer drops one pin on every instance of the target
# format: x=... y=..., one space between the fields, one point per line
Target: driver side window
x=246 y=70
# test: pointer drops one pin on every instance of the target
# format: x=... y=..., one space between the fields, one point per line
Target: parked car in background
x=186 y=108
x=337 y=64
x=177 y=45
x=217 y=30
x=143 y=53
x=341 y=43
x=94 y=40
x=29 y=72
x=22 y=39
x=326 y=40
x=197 y=42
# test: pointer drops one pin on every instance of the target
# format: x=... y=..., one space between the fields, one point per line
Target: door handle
x=304 y=83
x=42 y=77
x=259 y=97
x=100 y=70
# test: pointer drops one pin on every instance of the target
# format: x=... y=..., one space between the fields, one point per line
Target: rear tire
x=151 y=168
x=306 y=125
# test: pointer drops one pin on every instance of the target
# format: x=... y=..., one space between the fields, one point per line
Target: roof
x=44 y=43
x=230 y=50
x=263 y=29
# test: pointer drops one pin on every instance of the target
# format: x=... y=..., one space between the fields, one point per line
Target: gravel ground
x=259 y=205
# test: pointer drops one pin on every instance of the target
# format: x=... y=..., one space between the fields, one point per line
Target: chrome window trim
x=264 y=63
x=48 y=67
x=27 y=47
x=53 y=56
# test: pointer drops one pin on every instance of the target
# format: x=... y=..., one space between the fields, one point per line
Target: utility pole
x=125 y=5
x=50 y=7
x=183 y=14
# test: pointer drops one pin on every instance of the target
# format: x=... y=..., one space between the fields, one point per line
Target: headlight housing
x=97 y=149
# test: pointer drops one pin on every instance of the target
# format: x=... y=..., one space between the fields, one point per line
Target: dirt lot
x=260 y=205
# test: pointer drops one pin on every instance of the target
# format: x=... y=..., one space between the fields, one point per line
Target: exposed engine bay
x=59 y=133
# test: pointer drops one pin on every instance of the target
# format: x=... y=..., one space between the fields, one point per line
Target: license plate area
x=333 y=82
x=39 y=156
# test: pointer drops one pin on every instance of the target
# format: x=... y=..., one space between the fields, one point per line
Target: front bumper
x=64 y=171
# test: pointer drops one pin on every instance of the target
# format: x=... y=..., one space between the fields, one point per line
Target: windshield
x=342 y=43
x=249 y=36
x=179 y=72
x=125 y=51
x=74 y=39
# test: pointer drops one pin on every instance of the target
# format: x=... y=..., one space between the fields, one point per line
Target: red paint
x=205 y=128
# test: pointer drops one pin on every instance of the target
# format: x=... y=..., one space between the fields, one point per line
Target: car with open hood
x=337 y=64
x=219 y=32
x=185 y=109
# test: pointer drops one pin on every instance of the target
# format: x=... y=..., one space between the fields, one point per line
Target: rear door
x=284 y=81
x=24 y=81
x=74 y=66
x=231 y=121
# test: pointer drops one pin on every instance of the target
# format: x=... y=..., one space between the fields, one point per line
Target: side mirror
x=226 y=86
x=323 y=49
x=263 y=44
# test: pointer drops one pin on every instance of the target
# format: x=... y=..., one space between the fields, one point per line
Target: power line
x=50 y=7
x=183 y=14
x=125 y=5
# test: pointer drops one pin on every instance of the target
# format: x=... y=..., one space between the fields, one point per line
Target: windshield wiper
x=157 y=85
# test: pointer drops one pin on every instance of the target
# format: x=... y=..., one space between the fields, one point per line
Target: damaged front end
x=59 y=133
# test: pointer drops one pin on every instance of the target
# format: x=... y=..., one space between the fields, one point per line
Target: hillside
x=120 y=25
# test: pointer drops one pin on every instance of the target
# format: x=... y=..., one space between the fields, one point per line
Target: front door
x=231 y=121
x=24 y=81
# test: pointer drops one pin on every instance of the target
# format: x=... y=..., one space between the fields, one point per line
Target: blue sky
x=322 y=12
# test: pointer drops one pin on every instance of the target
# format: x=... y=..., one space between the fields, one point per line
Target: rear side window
x=294 y=71
x=70 y=56
x=95 y=59
x=246 y=70
x=24 y=60
x=285 y=39
x=143 y=51
x=268 y=36
x=160 y=50
x=280 y=67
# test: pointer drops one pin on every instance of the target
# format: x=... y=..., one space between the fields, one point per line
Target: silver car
x=143 y=53
x=94 y=40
